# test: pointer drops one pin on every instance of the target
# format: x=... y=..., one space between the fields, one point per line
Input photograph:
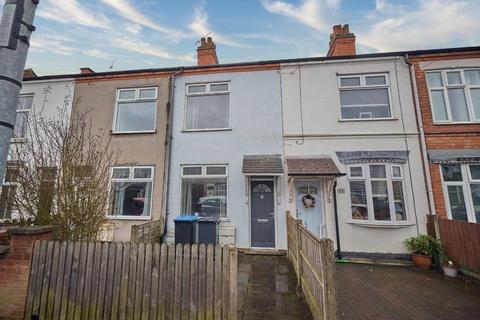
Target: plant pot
x=421 y=261
x=450 y=272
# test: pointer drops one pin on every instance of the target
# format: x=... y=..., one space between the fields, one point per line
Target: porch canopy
x=312 y=166
x=454 y=156
x=264 y=164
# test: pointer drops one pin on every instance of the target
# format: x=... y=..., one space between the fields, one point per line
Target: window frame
x=13 y=184
x=389 y=178
x=130 y=179
x=207 y=92
x=467 y=180
x=466 y=90
x=364 y=86
x=136 y=99
x=23 y=111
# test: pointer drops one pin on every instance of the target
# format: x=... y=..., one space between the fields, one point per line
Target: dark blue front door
x=263 y=213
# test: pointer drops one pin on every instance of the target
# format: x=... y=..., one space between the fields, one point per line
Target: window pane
x=127 y=94
x=350 y=82
x=192 y=171
x=439 y=106
x=148 y=93
x=207 y=197
x=207 y=112
x=142 y=173
x=365 y=103
x=121 y=173
x=457 y=203
x=197 y=89
x=135 y=116
x=21 y=122
x=7 y=202
x=131 y=198
x=452 y=172
x=397 y=172
x=11 y=175
x=475 y=94
x=458 y=104
x=25 y=102
x=434 y=79
x=358 y=196
x=381 y=206
x=216 y=170
x=378 y=171
x=356 y=171
x=399 y=201
x=473 y=77
x=476 y=200
x=219 y=87
x=375 y=80
x=454 y=78
x=475 y=171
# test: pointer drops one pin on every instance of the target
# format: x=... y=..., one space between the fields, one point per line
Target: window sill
x=367 y=119
x=18 y=140
x=139 y=218
x=456 y=123
x=132 y=132
x=205 y=130
x=385 y=225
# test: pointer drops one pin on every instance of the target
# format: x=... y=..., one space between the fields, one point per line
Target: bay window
x=364 y=96
x=204 y=190
x=377 y=192
x=461 y=187
x=131 y=191
x=455 y=95
x=136 y=110
x=207 y=106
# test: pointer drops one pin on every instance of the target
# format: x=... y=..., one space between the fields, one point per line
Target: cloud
x=51 y=44
x=309 y=12
x=426 y=24
x=96 y=53
x=70 y=11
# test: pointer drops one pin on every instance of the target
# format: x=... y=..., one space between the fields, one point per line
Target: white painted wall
x=324 y=133
x=256 y=122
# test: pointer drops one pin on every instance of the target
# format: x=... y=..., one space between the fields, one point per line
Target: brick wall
x=15 y=269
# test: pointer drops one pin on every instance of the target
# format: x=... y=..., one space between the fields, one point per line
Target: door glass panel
x=458 y=104
x=439 y=106
x=457 y=203
x=262 y=188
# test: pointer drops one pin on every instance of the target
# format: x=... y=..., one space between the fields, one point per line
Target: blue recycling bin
x=185 y=229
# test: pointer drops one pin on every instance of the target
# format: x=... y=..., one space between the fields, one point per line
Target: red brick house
x=448 y=105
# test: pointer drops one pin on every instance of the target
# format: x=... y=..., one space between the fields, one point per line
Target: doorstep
x=263 y=252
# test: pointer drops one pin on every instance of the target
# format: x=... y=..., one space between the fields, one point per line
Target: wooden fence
x=461 y=241
x=314 y=263
x=103 y=280
x=149 y=232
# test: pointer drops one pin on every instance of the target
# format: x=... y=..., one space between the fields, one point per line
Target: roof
x=258 y=63
x=267 y=163
x=312 y=167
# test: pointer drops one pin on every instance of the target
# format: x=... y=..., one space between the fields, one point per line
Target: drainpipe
x=423 y=144
x=168 y=156
x=335 y=210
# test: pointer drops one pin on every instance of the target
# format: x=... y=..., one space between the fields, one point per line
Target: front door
x=263 y=213
x=309 y=205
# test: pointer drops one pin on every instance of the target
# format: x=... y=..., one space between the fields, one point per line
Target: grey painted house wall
x=256 y=128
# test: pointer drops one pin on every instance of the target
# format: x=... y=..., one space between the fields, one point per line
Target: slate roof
x=265 y=163
x=312 y=166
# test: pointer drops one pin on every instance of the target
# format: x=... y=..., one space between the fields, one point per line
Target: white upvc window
x=377 y=193
x=454 y=95
x=204 y=190
x=365 y=96
x=131 y=192
x=135 y=110
x=7 y=193
x=207 y=106
x=461 y=189
x=24 y=107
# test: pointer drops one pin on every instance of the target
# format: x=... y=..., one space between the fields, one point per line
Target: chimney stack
x=206 y=53
x=86 y=70
x=29 y=73
x=342 y=42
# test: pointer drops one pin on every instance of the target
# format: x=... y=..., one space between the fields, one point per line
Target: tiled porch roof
x=267 y=163
x=312 y=166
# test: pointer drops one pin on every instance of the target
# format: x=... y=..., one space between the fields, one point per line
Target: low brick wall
x=15 y=269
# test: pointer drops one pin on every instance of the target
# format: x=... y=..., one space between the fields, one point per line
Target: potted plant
x=448 y=266
x=423 y=248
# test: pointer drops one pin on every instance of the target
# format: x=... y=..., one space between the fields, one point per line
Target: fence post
x=233 y=283
x=134 y=234
x=328 y=264
x=298 y=223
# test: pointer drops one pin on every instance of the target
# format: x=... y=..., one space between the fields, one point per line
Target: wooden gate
x=108 y=280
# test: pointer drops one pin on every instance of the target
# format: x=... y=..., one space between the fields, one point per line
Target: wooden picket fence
x=108 y=280
x=149 y=232
x=314 y=263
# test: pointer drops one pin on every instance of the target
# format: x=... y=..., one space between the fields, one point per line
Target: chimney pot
x=206 y=52
x=86 y=70
x=342 y=42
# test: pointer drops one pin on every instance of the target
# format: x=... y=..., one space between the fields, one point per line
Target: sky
x=134 y=34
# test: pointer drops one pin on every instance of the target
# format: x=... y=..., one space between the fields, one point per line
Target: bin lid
x=186 y=218
x=209 y=219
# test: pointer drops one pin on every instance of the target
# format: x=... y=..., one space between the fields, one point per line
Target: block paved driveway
x=398 y=293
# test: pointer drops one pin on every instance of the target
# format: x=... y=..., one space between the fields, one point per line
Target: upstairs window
x=24 y=107
x=364 y=96
x=136 y=110
x=455 y=95
x=207 y=106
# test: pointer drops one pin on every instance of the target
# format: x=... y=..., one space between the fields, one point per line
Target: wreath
x=308 y=201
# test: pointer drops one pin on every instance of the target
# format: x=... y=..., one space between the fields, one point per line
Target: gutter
x=335 y=210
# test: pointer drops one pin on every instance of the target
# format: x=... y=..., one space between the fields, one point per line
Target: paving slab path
x=403 y=293
x=267 y=289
